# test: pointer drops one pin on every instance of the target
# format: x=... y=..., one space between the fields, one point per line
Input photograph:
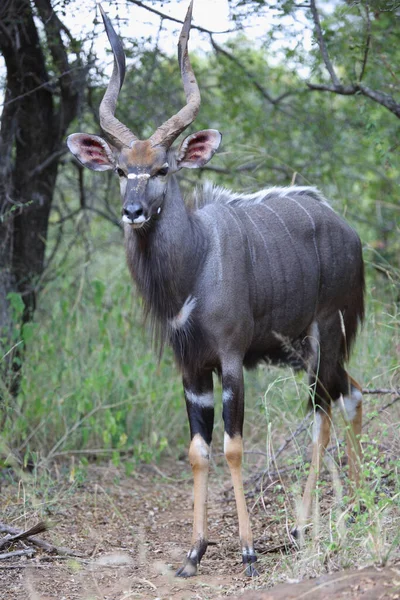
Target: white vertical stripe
x=317 y=427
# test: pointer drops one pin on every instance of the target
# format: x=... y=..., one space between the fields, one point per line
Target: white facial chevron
x=138 y=176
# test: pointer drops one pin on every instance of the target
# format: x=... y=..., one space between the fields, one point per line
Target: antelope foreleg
x=200 y=408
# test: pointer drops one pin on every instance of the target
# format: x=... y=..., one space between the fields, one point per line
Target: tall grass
x=91 y=383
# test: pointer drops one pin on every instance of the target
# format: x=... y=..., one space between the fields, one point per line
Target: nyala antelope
x=272 y=276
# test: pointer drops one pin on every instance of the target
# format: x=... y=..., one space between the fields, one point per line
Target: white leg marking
x=313 y=334
x=348 y=404
x=203 y=400
x=184 y=314
x=227 y=440
x=199 y=446
x=317 y=427
x=227 y=396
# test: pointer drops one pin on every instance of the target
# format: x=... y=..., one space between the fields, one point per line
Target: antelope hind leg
x=321 y=436
x=233 y=413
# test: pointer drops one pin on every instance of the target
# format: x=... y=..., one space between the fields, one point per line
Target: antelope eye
x=120 y=172
x=163 y=171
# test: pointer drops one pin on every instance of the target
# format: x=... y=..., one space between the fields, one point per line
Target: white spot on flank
x=192 y=554
x=348 y=404
x=138 y=176
x=184 y=314
x=317 y=427
x=203 y=400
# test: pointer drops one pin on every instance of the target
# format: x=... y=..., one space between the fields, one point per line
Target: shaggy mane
x=211 y=194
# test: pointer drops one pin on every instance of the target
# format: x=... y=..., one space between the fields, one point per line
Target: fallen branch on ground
x=25 y=552
x=8 y=539
x=381 y=391
x=15 y=534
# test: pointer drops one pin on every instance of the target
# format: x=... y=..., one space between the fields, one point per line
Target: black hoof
x=251 y=571
x=297 y=535
x=189 y=569
x=249 y=559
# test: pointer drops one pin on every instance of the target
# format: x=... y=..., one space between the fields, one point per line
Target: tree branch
x=351 y=90
x=265 y=94
x=367 y=45
x=321 y=44
x=55 y=156
x=168 y=18
x=70 y=86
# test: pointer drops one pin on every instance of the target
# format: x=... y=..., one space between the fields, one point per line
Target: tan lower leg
x=233 y=449
x=321 y=435
x=199 y=457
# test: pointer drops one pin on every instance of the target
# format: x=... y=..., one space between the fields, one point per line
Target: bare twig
x=8 y=539
x=168 y=18
x=101 y=213
x=47 y=162
x=381 y=409
x=302 y=427
x=349 y=90
x=78 y=423
x=321 y=44
x=367 y=44
x=25 y=552
x=22 y=565
x=61 y=550
x=249 y=75
x=381 y=391
x=47 y=84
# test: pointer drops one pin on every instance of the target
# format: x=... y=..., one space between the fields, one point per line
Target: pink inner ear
x=91 y=150
x=197 y=149
x=95 y=154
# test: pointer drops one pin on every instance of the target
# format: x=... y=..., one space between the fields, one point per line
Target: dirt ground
x=134 y=532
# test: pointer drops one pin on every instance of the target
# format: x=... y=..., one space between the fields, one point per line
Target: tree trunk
x=35 y=117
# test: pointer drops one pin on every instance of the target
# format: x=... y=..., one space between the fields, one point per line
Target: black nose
x=133 y=211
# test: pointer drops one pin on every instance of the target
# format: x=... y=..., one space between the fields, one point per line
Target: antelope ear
x=197 y=149
x=92 y=151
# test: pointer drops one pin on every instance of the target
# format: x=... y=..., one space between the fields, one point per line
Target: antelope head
x=144 y=166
